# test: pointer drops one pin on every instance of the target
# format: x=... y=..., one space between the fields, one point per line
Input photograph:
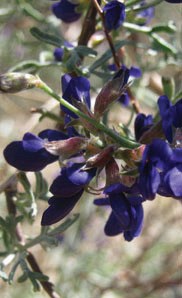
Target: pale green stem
x=122 y=141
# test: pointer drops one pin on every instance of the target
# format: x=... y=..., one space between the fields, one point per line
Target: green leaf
x=71 y=63
x=108 y=54
x=137 y=28
x=46 y=37
x=36 y=286
x=168 y=28
x=85 y=51
x=132 y=2
x=23 y=277
x=31 y=66
x=38 y=275
x=32 y=12
x=161 y=44
x=12 y=272
x=29 y=194
x=41 y=188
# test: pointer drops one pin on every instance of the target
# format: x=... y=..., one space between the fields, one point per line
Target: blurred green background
x=86 y=263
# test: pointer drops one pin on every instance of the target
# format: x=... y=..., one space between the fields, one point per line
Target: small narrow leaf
x=161 y=44
x=46 y=37
x=108 y=54
x=86 y=51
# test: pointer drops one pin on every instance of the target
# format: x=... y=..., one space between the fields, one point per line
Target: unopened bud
x=66 y=148
x=112 y=172
x=14 y=82
x=100 y=159
x=109 y=93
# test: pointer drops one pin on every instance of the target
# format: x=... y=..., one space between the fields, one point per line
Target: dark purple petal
x=135 y=72
x=114 y=14
x=115 y=188
x=24 y=160
x=78 y=176
x=176 y=112
x=135 y=230
x=59 y=208
x=174 y=1
x=102 y=202
x=173 y=179
x=177 y=155
x=124 y=99
x=149 y=181
x=32 y=143
x=166 y=116
x=160 y=154
x=62 y=187
x=65 y=10
x=58 y=54
x=52 y=135
x=120 y=208
x=135 y=200
x=142 y=124
x=76 y=88
x=113 y=226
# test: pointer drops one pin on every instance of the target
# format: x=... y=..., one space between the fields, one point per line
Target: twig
x=89 y=23
x=47 y=285
x=115 y=56
x=108 y=37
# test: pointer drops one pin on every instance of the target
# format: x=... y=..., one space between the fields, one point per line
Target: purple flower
x=75 y=89
x=114 y=14
x=171 y=116
x=142 y=124
x=146 y=15
x=134 y=72
x=30 y=153
x=171 y=176
x=59 y=52
x=157 y=170
x=67 y=189
x=174 y=1
x=127 y=213
x=170 y=185
x=66 y=11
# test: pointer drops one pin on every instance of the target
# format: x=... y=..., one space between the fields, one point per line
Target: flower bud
x=66 y=148
x=13 y=82
x=112 y=172
x=100 y=159
x=109 y=93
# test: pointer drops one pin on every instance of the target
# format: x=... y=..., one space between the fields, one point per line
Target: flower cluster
x=132 y=174
x=158 y=165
